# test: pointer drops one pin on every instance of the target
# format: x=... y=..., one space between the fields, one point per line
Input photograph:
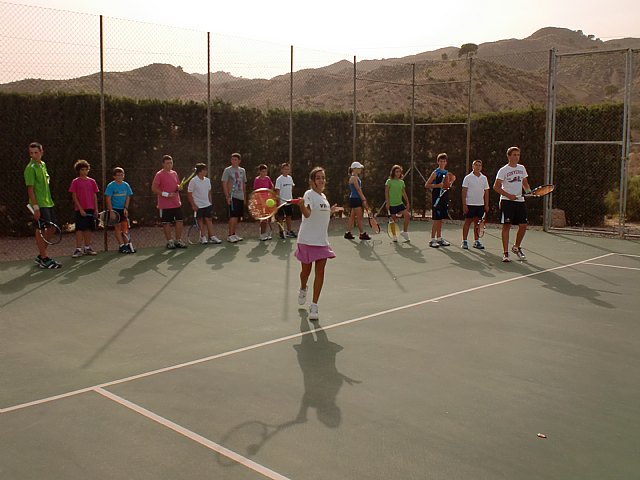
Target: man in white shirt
x=475 y=202
x=509 y=183
x=199 y=195
x=284 y=189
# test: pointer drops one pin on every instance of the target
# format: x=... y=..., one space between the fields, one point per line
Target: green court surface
x=426 y=363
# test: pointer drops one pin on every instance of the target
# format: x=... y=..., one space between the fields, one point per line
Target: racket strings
x=258 y=207
x=543 y=190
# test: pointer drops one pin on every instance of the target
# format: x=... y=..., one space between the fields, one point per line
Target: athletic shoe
x=313 y=312
x=364 y=236
x=49 y=263
x=302 y=296
x=77 y=253
x=478 y=244
x=171 y=245
x=263 y=237
x=519 y=253
x=405 y=236
x=232 y=239
x=203 y=240
x=239 y=237
x=443 y=243
x=465 y=245
x=281 y=233
x=180 y=244
x=505 y=257
x=434 y=243
x=38 y=260
x=89 y=251
x=349 y=236
x=292 y=234
x=269 y=237
x=215 y=240
x=124 y=248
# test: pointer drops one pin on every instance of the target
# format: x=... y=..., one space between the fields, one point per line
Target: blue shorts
x=475 y=211
x=171 y=215
x=88 y=222
x=47 y=215
x=205 y=212
x=355 y=202
x=236 y=208
x=396 y=209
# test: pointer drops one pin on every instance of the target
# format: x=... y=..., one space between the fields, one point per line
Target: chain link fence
x=101 y=76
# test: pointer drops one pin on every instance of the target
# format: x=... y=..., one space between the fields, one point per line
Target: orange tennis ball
x=270 y=203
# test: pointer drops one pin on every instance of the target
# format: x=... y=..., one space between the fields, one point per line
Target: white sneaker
x=505 y=257
x=313 y=312
x=433 y=243
x=77 y=253
x=214 y=239
x=203 y=240
x=405 y=235
x=269 y=237
x=238 y=237
x=443 y=243
x=302 y=296
x=232 y=239
x=263 y=237
x=519 y=253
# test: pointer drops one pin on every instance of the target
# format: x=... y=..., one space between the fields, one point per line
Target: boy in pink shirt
x=263 y=181
x=84 y=191
x=166 y=186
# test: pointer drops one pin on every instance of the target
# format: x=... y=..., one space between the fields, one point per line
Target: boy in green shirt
x=36 y=179
x=394 y=194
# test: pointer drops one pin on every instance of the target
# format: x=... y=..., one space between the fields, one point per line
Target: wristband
x=35 y=207
x=165 y=194
x=527 y=190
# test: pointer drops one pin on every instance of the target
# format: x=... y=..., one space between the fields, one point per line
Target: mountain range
x=507 y=74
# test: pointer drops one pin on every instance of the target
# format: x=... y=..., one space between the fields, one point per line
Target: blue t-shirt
x=118 y=193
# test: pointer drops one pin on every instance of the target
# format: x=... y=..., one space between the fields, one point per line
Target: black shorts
x=287 y=210
x=120 y=211
x=88 y=222
x=355 y=202
x=205 y=212
x=236 y=209
x=475 y=211
x=396 y=209
x=512 y=212
x=171 y=215
x=441 y=211
x=47 y=215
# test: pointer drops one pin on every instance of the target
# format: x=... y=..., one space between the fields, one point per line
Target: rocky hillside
x=507 y=74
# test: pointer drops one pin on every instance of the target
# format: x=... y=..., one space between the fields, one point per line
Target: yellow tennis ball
x=270 y=203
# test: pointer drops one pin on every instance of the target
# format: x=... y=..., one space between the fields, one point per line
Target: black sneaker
x=49 y=263
x=292 y=234
x=364 y=236
x=349 y=236
x=38 y=260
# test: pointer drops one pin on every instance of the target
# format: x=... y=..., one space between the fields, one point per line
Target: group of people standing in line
x=313 y=248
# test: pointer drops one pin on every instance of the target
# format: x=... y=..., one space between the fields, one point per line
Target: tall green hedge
x=139 y=133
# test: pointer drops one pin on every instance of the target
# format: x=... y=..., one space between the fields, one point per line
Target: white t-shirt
x=475 y=185
x=200 y=189
x=314 y=229
x=285 y=185
x=512 y=178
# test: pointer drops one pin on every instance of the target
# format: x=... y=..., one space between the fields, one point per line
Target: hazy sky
x=329 y=30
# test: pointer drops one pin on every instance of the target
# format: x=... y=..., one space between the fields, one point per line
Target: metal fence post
x=355 y=113
x=103 y=138
x=413 y=130
x=550 y=136
x=209 y=102
x=468 y=153
x=291 y=112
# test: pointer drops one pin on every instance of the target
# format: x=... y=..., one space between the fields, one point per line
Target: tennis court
x=426 y=363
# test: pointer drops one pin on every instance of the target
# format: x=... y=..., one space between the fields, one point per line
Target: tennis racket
x=443 y=190
x=373 y=223
x=108 y=218
x=481 y=225
x=263 y=203
x=186 y=180
x=540 y=191
x=49 y=231
x=125 y=225
x=392 y=229
x=194 y=234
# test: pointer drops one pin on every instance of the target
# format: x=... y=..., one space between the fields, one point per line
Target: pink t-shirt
x=167 y=182
x=260 y=182
x=85 y=189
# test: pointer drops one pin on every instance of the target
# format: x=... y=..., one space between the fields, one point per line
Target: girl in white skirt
x=313 y=238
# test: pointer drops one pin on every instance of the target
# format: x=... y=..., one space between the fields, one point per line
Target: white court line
x=293 y=336
x=256 y=467
x=628 y=255
x=611 y=266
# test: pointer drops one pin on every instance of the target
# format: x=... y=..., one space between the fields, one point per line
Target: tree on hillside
x=468 y=50
x=444 y=56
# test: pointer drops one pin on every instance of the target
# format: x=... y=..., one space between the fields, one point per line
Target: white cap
x=356 y=165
